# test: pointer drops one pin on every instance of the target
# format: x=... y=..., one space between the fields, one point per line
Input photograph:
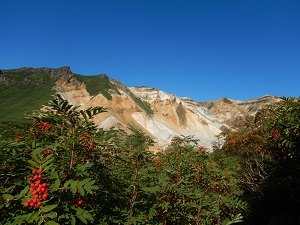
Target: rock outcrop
x=171 y=115
x=157 y=113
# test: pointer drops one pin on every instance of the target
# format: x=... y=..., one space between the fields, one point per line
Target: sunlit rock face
x=171 y=115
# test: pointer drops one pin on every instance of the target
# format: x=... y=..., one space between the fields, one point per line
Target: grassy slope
x=98 y=84
x=17 y=100
x=101 y=84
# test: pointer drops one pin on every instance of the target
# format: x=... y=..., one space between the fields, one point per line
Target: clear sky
x=202 y=49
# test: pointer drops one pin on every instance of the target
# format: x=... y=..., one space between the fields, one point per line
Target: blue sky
x=202 y=49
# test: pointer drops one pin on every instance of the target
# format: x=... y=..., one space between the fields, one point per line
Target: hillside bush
x=64 y=170
x=268 y=149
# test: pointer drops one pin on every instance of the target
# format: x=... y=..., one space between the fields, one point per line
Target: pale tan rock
x=172 y=115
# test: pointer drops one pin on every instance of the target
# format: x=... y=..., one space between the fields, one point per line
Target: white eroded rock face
x=172 y=116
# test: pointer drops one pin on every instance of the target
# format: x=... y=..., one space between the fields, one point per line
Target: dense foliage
x=62 y=169
x=268 y=149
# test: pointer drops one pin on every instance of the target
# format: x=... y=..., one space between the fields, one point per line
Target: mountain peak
x=159 y=114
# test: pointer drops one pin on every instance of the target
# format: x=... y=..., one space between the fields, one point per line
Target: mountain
x=155 y=112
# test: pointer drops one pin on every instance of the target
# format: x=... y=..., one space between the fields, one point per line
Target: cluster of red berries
x=18 y=138
x=47 y=152
x=259 y=150
x=171 y=151
x=160 y=162
x=276 y=134
x=85 y=134
x=79 y=201
x=38 y=189
x=42 y=125
x=87 y=144
x=202 y=148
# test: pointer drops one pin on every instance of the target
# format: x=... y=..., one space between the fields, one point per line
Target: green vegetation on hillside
x=144 y=105
x=26 y=89
x=98 y=84
x=31 y=90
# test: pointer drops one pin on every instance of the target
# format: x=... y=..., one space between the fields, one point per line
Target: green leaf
x=41 y=220
x=88 y=190
x=83 y=182
x=7 y=197
x=33 y=163
x=82 y=219
x=81 y=190
x=38 y=161
x=73 y=220
x=34 y=216
x=89 y=113
x=23 y=192
x=83 y=114
x=56 y=184
x=37 y=151
x=48 y=208
x=94 y=187
x=73 y=186
x=88 y=216
x=47 y=162
x=67 y=183
x=51 y=215
x=90 y=183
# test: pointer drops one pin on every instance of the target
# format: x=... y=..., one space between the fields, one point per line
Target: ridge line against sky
x=200 y=49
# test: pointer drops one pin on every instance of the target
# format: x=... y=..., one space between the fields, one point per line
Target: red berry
x=40 y=170
x=31 y=204
x=26 y=204
x=30 y=178
x=45 y=196
x=33 y=172
x=40 y=176
x=44 y=185
x=36 y=177
x=39 y=203
x=32 y=185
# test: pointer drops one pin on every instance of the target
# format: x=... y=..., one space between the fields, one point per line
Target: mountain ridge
x=157 y=113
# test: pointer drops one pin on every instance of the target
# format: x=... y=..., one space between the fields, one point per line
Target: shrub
x=64 y=170
x=268 y=151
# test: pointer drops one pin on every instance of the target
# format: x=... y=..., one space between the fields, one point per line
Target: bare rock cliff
x=171 y=115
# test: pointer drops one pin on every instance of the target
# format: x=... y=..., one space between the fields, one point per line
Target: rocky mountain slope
x=157 y=113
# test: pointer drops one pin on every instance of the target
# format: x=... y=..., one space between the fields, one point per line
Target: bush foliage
x=267 y=148
x=62 y=169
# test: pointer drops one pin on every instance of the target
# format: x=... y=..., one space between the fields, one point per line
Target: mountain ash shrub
x=268 y=149
x=65 y=170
